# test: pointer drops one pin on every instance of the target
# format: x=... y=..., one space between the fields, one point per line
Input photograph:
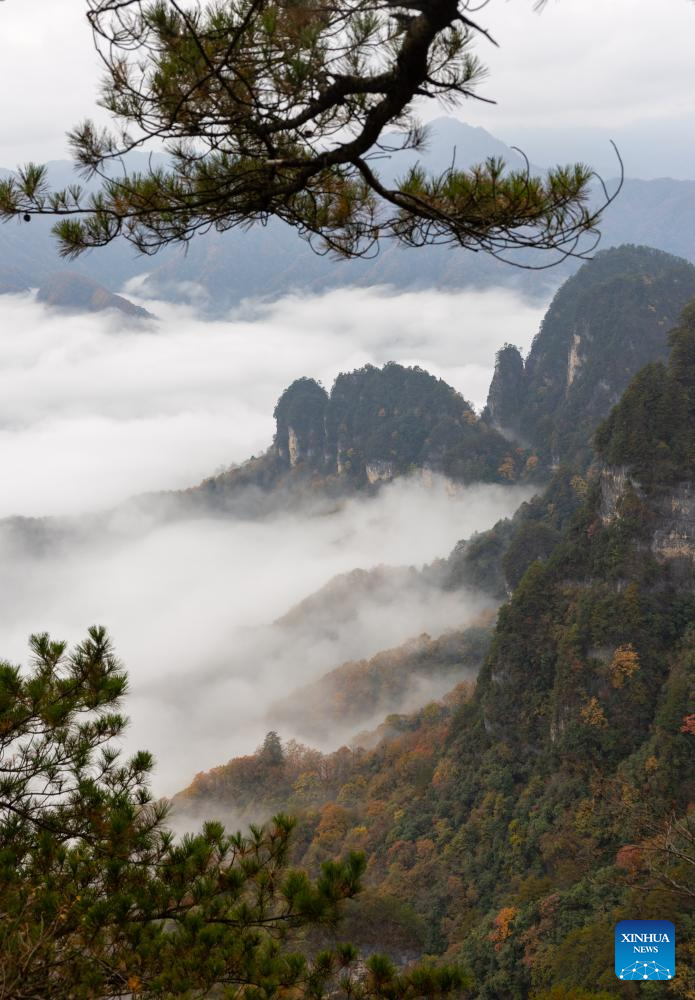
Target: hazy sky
x=621 y=68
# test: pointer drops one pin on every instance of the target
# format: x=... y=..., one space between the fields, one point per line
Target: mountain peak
x=604 y=324
x=76 y=292
x=300 y=418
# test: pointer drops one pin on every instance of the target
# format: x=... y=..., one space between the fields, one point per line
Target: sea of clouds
x=94 y=410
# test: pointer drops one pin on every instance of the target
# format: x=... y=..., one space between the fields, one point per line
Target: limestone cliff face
x=604 y=324
x=507 y=393
x=575 y=359
x=378 y=423
x=674 y=536
x=615 y=482
x=671 y=512
x=293 y=446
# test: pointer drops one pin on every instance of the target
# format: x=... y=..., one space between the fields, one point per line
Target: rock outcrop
x=670 y=512
x=507 y=390
x=605 y=323
x=378 y=423
x=300 y=420
x=647 y=445
x=674 y=534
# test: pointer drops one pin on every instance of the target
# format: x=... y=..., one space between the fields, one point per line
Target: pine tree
x=281 y=108
x=271 y=752
x=97 y=897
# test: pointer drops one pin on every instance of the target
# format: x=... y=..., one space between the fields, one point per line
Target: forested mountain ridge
x=376 y=424
x=510 y=828
x=605 y=323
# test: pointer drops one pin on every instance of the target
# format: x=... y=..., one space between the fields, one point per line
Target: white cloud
x=92 y=411
x=580 y=62
x=188 y=605
x=49 y=73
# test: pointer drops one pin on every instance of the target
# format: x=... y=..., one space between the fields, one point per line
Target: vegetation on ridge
x=652 y=430
x=97 y=897
x=511 y=827
x=604 y=324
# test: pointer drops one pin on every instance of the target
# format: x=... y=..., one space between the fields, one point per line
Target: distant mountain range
x=75 y=292
x=219 y=270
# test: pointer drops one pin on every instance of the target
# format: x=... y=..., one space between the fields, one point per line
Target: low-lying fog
x=186 y=602
x=92 y=411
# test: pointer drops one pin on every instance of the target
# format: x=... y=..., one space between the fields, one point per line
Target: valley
x=347 y=521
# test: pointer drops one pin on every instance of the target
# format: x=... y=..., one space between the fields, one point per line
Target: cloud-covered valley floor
x=93 y=412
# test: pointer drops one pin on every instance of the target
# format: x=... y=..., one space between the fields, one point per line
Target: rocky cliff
x=604 y=324
x=300 y=424
x=648 y=446
x=507 y=390
x=376 y=424
x=669 y=513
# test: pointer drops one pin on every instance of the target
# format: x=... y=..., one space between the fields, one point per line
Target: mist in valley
x=93 y=411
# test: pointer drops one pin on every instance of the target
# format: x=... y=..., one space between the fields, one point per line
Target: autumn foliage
x=502 y=925
x=624 y=665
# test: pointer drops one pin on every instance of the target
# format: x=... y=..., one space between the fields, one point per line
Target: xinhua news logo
x=645 y=949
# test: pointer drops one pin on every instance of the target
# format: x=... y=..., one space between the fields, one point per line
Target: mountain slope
x=74 y=292
x=602 y=326
x=391 y=681
x=517 y=826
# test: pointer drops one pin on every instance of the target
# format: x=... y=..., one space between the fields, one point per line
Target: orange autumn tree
x=688 y=725
x=624 y=665
x=502 y=926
